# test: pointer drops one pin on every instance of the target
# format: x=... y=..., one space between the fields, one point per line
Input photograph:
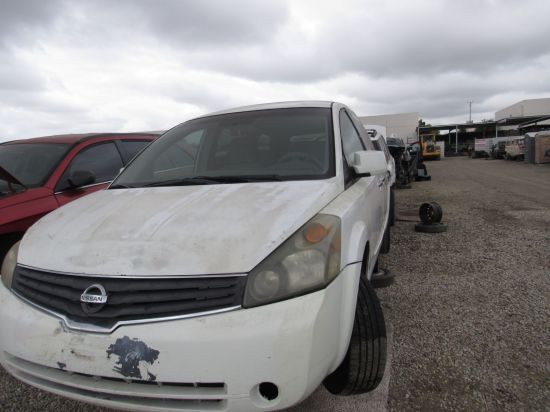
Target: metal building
x=401 y=125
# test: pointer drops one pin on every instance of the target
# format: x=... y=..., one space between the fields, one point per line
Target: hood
x=173 y=231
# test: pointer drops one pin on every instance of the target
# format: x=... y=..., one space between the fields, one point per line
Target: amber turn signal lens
x=315 y=232
x=335 y=245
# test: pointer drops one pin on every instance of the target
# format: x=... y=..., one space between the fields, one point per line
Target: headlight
x=307 y=261
x=8 y=267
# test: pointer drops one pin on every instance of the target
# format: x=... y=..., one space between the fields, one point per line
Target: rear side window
x=130 y=148
x=351 y=142
x=103 y=160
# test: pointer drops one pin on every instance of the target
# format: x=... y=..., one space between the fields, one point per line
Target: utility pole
x=470 y=103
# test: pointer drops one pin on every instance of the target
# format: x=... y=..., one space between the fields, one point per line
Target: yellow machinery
x=430 y=150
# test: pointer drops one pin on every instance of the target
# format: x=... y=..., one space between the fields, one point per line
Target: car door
x=368 y=192
x=102 y=159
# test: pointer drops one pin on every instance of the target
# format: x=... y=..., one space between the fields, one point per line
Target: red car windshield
x=30 y=163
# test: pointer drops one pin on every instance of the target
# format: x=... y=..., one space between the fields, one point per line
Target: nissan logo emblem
x=93 y=299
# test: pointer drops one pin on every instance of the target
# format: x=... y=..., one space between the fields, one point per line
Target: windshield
x=277 y=144
x=30 y=163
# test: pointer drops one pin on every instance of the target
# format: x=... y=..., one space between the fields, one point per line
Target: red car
x=41 y=174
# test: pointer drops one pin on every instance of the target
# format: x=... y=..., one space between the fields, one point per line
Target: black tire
x=430 y=227
x=424 y=169
x=363 y=366
x=386 y=240
x=382 y=278
x=392 y=206
x=430 y=212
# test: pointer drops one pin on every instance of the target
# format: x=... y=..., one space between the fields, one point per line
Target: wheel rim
x=430 y=212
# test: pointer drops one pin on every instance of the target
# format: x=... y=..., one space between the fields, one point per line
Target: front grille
x=122 y=393
x=128 y=298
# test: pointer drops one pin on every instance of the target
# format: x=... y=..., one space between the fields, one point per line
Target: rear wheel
x=363 y=367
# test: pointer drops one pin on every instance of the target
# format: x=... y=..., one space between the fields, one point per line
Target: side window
x=362 y=131
x=130 y=148
x=103 y=160
x=351 y=142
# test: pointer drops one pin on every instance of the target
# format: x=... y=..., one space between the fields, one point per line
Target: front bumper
x=206 y=363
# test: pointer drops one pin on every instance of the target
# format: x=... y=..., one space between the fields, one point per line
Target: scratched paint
x=134 y=356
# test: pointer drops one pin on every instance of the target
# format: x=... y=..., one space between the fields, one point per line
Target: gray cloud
x=194 y=23
x=133 y=64
x=424 y=38
x=17 y=75
x=20 y=19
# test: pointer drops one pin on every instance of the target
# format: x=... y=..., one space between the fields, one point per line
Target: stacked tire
x=430 y=214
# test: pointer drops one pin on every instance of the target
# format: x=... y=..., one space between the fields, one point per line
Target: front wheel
x=386 y=240
x=363 y=367
x=392 y=206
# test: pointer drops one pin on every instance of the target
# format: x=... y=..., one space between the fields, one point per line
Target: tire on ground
x=430 y=212
x=363 y=366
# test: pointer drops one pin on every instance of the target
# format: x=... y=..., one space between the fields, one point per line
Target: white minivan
x=226 y=268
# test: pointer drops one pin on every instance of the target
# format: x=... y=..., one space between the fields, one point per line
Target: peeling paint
x=133 y=356
x=81 y=356
x=61 y=365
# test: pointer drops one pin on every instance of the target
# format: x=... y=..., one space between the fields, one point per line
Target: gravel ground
x=469 y=309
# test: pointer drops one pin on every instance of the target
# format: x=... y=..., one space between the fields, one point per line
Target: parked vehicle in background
x=379 y=142
x=411 y=161
x=498 y=150
x=428 y=147
x=514 y=149
x=397 y=150
x=226 y=268
x=38 y=175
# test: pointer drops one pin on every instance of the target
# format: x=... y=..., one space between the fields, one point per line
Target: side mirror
x=80 y=178
x=370 y=163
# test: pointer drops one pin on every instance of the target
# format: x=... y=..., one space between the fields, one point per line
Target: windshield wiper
x=259 y=178
x=183 y=182
x=211 y=180
x=121 y=186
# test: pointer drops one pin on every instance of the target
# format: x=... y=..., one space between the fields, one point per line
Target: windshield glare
x=30 y=163
x=277 y=144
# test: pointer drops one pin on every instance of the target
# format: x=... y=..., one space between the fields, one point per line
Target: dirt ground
x=470 y=307
x=469 y=310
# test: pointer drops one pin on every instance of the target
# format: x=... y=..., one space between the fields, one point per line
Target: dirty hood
x=173 y=231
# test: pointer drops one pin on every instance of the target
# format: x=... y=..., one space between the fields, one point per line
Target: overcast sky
x=130 y=65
